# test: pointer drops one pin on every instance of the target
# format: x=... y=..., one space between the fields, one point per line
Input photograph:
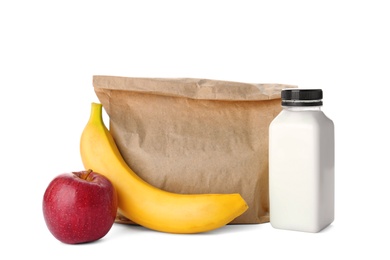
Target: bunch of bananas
x=145 y=204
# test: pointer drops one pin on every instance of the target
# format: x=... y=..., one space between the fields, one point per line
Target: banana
x=148 y=205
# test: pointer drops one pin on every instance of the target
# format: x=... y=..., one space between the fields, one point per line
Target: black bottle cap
x=301 y=97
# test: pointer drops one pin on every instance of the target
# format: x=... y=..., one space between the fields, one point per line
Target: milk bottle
x=301 y=163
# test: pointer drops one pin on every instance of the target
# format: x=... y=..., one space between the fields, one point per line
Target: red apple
x=79 y=207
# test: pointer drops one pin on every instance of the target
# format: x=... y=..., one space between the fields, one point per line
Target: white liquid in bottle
x=301 y=163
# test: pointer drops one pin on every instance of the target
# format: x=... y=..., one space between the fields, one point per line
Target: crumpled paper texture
x=188 y=135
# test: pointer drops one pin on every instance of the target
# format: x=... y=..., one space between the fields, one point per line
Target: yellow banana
x=145 y=204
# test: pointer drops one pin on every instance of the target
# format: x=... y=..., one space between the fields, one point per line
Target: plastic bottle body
x=301 y=169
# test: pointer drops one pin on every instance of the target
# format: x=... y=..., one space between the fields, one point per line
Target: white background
x=49 y=51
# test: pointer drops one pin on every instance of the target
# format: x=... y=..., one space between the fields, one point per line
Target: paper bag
x=188 y=135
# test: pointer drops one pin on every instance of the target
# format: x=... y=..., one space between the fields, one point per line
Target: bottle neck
x=302 y=108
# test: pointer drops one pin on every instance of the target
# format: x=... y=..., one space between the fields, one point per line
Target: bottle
x=301 y=163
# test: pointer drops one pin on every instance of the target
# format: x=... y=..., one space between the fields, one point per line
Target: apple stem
x=87 y=173
x=83 y=174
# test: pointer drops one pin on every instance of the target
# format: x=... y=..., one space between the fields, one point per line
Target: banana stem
x=96 y=112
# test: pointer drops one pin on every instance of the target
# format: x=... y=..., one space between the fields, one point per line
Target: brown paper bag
x=195 y=135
